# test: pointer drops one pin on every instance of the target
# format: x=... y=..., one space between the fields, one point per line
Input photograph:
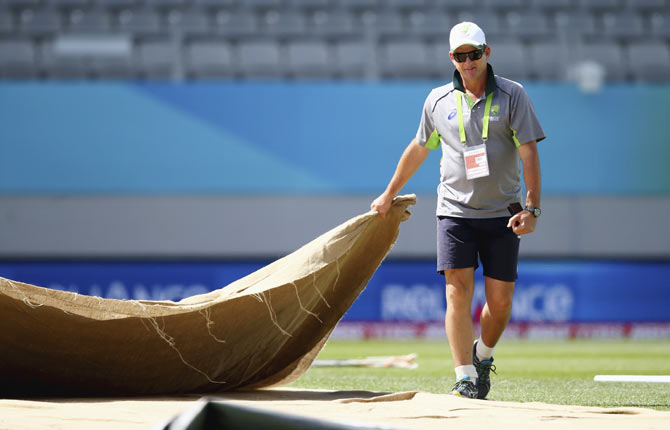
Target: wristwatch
x=535 y=211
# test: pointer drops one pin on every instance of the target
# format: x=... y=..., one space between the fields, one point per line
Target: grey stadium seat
x=260 y=58
x=385 y=22
x=39 y=22
x=548 y=61
x=526 y=24
x=430 y=23
x=214 y=4
x=283 y=22
x=191 y=22
x=17 y=59
x=6 y=22
x=118 y=4
x=660 y=24
x=23 y=3
x=353 y=58
x=553 y=5
x=609 y=55
x=625 y=25
x=262 y=4
x=600 y=5
x=209 y=59
x=69 y=4
x=407 y=59
x=407 y=4
x=336 y=23
x=309 y=58
x=165 y=4
x=139 y=22
x=88 y=21
x=156 y=58
x=649 y=61
x=358 y=4
x=505 y=5
x=509 y=60
x=309 y=4
x=646 y=5
x=575 y=25
x=458 y=6
x=239 y=23
x=57 y=66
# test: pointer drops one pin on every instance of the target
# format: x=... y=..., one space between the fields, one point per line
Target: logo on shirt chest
x=493 y=114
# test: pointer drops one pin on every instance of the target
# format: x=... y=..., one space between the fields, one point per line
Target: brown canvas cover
x=262 y=330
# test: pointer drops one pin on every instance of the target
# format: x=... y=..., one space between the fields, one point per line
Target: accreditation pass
x=476 y=163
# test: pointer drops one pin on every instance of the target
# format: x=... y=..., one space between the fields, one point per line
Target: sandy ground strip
x=411 y=410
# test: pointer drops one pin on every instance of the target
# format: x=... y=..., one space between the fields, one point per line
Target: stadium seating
x=156 y=59
x=407 y=58
x=649 y=61
x=308 y=59
x=510 y=59
x=260 y=58
x=17 y=59
x=333 y=23
x=354 y=58
x=236 y=24
x=626 y=25
x=430 y=23
x=6 y=23
x=546 y=62
x=358 y=39
x=209 y=59
x=610 y=55
x=79 y=20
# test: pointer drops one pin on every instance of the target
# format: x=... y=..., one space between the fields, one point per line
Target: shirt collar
x=490 y=81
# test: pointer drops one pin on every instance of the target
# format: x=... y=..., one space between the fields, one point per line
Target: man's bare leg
x=458 y=319
x=497 y=310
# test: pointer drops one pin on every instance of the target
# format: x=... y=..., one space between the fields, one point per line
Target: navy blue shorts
x=461 y=242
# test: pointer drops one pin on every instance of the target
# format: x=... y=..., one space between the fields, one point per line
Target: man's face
x=471 y=69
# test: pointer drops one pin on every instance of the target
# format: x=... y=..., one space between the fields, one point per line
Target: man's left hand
x=522 y=223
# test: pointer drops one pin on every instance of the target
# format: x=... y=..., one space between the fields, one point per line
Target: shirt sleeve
x=427 y=134
x=524 y=122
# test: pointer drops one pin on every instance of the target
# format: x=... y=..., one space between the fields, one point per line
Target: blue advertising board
x=400 y=291
x=203 y=137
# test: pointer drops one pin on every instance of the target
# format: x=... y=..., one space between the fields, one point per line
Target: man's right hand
x=410 y=161
x=382 y=204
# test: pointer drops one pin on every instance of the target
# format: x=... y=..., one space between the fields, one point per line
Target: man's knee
x=500 y=304
x=460 y=277
x=459 y=283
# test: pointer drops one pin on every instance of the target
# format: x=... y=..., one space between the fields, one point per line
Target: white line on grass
x=632 y=378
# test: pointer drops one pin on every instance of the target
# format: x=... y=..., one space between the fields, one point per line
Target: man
x=485 y=125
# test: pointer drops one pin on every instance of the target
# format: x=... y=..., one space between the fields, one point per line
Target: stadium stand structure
x=326 y=39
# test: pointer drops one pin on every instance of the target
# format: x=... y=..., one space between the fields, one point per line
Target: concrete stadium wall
x=238 y=227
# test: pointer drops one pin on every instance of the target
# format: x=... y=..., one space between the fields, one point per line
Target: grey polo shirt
x=512 y=122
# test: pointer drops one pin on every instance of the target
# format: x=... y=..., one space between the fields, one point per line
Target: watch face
x=535 y=211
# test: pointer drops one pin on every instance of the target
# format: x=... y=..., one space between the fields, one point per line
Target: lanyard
x=485 y=122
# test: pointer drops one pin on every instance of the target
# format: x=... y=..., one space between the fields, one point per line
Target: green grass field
x=559 y=372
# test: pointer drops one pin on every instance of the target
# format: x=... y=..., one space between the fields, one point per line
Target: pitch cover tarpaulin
x=262 y=330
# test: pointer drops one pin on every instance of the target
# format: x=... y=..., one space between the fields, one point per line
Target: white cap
x=466 y=33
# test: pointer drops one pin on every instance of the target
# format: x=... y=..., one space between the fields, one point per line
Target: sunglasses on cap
x=475 y=55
